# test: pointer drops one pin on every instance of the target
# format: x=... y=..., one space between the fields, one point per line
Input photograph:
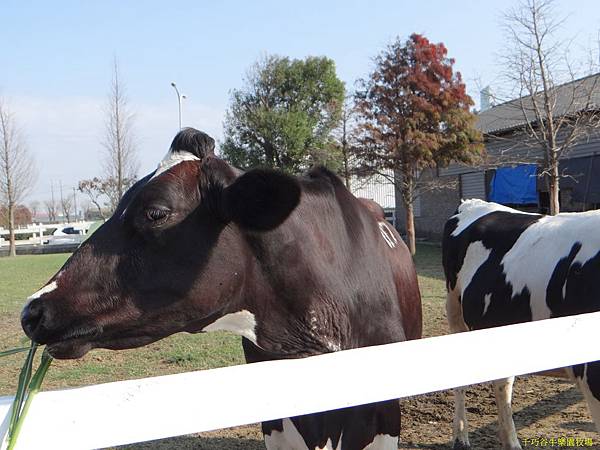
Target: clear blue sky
x=56 y=60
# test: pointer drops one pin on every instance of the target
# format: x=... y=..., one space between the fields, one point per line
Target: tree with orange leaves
x=414 y=114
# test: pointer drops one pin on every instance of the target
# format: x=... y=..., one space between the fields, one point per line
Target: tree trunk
x=270 y=158
x=12 y=247
x=554 y=189
x=408 y=190
x=410 y=228
x=346 y=172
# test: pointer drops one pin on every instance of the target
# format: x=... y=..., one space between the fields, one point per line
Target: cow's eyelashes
x=157 y=215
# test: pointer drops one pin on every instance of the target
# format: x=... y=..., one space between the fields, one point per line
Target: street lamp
x=179 y=98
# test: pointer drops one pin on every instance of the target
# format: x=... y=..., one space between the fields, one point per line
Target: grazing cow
x=503 y=267
x=296 y=266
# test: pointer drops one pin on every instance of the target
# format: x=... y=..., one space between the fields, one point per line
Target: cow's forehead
x=172 y=158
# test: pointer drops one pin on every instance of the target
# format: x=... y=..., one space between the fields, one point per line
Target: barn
x=509 y=174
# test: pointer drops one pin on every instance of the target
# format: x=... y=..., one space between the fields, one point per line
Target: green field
x=23 y=275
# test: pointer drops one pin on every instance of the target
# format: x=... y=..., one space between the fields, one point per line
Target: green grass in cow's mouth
x=28 y=386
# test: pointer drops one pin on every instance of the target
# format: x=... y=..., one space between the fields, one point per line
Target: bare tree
x=555 y=117
x=121 y=163
x=66 y=204
x=34 y=207
x=17 y=170
x=51 y=209
x=344 y=140
x=96 y=190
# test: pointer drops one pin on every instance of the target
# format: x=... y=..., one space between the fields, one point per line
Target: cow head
x=173 y=257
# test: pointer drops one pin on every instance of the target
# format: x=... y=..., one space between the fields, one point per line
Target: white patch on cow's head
x=45 y=290
x=387 y=234
x=241 y=322
x=171 y=159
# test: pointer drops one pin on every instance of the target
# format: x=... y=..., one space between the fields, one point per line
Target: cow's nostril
x=31 y=317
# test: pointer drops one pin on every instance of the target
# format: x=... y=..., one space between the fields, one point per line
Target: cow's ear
x=260 y=199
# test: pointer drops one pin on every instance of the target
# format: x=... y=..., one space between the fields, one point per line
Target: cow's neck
x=293 y=315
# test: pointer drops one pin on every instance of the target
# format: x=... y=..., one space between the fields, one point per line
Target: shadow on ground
x=198 y=443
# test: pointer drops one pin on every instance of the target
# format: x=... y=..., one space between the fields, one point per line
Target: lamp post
x=179 y=98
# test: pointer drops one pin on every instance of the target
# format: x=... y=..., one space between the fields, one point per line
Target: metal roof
x=569 y=98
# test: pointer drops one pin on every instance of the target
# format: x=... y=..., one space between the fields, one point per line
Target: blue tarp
x=514 y=185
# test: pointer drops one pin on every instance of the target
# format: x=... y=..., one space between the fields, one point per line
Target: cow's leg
x=587 y=377
x=460 y=428
x=508 y=434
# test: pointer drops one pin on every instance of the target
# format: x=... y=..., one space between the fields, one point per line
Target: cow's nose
x=31 y=318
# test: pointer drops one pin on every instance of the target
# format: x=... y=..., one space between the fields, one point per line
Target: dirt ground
x=544 y=407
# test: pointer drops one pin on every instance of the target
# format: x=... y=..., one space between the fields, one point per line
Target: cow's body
x=502 y=267
x=298 y=267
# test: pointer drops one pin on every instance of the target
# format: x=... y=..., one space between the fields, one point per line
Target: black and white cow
x=503 y=267
x=297 y=266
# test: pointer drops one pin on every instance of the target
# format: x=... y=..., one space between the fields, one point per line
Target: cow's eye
x=156 y=214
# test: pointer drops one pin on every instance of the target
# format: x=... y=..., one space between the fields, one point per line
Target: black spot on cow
x=386 y=418
x=573 y=287
x=497 y=231
x=558 y=280
x=593 y=378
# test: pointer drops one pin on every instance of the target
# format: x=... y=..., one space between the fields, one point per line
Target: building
x=511 y=172
x=378 y=188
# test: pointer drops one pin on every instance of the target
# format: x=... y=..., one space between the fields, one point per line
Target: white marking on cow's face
x=45 y=290
x=475 y=256
x=241 y=322
x=471 y=210
x=387 y=234
x=289 y=438
x=171 y=159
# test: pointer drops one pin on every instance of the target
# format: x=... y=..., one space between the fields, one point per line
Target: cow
x=295 y=265
x=504 y=266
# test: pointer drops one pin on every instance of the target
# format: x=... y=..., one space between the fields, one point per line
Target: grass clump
x=27 y=388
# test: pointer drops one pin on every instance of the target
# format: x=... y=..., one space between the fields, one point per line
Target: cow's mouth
x=77 y=347
x=73 y=345
x=69 y=349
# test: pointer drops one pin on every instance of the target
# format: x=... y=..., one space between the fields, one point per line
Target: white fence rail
x=139 y=410
x=39 y=231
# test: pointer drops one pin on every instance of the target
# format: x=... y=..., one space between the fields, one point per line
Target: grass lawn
x=23 y=275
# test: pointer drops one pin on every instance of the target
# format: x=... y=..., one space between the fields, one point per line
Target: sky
x=56 y=61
